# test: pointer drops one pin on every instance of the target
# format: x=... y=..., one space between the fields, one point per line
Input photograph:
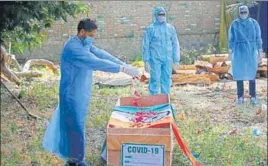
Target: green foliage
x=138 y=58
x=233 y=7
x=188 y=57
x=138 y=62
x=21 y=23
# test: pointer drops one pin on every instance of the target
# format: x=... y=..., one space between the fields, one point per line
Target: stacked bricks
x=122 y=23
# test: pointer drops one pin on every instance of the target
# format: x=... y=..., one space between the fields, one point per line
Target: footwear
x=240 y=101
x=83 y=163
x=69 y=163
x=254 y=100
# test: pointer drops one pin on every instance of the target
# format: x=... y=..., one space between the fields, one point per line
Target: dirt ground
x=218 y=101
x=215 y=103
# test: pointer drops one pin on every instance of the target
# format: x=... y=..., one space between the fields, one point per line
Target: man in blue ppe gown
x=160 y=52
x=65 y=135
x=245 y=48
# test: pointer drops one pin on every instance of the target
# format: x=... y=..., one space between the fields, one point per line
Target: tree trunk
x=191 y=79
x=195 y=79
x=28 y=74
x=185 y=72
x=16 y=63
x=203 y=64
x=42 y=62
x=187 y=67
x=4 y=59
x=219 y=70
x=3 y=78
x=215 y=59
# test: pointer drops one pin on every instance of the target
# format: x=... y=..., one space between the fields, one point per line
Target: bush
x=188 y=57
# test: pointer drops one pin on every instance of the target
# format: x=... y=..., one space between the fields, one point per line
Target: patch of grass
x=121 y=91
x=215 y=146
x=13 y=127
x=21 y=146
x=100 y=111
x=211 y=142
x=102 y=104
x=44 y=95
x=11 y=160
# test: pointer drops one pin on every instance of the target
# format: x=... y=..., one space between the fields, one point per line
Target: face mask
x=161 y=19
x=87 y=40
x=90 y=38
x=244 y=16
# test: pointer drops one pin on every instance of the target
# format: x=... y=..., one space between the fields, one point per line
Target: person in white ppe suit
x=160 y=52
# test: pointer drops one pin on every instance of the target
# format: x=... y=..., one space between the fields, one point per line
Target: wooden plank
x=191 y=79
x=203 y=64
x=195 y=79
x=185 y=72
x=219 y=70
x=187 y=67
x=215 y=59
x=263 y=68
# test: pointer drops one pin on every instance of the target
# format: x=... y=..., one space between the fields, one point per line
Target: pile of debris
x=206 y=70
x=209 y=69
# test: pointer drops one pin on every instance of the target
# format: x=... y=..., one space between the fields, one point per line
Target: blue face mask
x=161 y=19
x=87 y=40
x=90 y=38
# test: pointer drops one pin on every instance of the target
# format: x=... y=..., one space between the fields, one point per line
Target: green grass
x=102 y=103
x=212 y=143
x=216 y=146
x=107 y=92
x=41 y=93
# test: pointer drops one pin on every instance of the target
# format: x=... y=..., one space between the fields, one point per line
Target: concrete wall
x=121 y=26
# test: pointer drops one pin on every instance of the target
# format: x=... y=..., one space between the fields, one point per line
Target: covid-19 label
x=142 y=155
